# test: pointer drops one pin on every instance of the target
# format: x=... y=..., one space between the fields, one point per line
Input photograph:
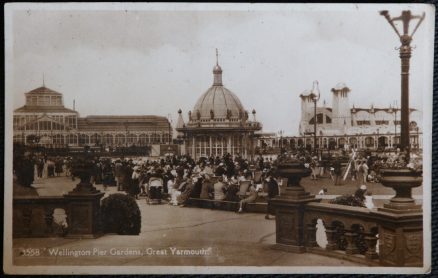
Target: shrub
x=120 y=214
x=347 y=200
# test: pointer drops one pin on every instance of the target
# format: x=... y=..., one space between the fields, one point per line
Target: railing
x=343 y=231
x=39 y=216
x=367 y=236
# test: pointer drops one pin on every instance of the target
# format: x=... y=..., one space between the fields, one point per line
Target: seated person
x=253 y=194
x=197 y=187
x=186 y=192
x=232 y=192
x=206 y=189
x=219 y=190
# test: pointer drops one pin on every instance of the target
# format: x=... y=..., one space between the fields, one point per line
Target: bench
x=257 y=206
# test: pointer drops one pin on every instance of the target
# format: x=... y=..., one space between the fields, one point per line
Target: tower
x=306 y=110
x=341 y=113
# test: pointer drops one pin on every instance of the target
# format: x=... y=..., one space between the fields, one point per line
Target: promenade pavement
x=170 y=236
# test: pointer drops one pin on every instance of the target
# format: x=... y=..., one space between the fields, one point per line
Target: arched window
x=341 y=142
x=369 y=142
x=120 y=139
x=108 y=139
x=83 y=139
x=155 y=138
x=382 y=141
x=332 y=143
x=72 y=139
x=95 y=139
x=132 y=139
x=45 y=125
x=319 y=119
x=58 y=139
x=143 y=139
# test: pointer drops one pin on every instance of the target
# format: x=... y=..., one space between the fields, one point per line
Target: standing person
x=365 y=169
x=40 y=167
x=50 y=168
x=58 y=166
x=118 y=174
x=337 y=170
x=134 y=184
x=107 y=174
x=272 y=193
x=25 y=170
x=353 y=170
x=99 y=166
x=321 y=166
x=314 y=168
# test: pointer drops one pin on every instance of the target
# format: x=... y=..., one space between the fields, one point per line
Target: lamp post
x=169 y=117
x=405 y=55
x=281 y=140
x=395 y=119
x=315 y=97
x=418 y=137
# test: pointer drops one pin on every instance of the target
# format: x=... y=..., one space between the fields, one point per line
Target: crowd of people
x=179 y=178
x=363 y=167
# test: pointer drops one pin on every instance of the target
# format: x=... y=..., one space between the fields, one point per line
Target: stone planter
x=289 y=207
x=83 y=203
x=294 y=171
x=402 y=181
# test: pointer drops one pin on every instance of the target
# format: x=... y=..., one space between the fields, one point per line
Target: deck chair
x=257 y=177
x=243 y=188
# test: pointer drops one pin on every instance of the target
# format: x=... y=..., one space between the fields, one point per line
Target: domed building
x=218 y=124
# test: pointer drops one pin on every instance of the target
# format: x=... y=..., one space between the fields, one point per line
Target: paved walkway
x=170 y=236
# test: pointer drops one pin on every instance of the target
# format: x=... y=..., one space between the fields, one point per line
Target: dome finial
x=44 y=85
x=217 y=71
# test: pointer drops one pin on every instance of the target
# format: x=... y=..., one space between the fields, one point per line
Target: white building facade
x=361 y=127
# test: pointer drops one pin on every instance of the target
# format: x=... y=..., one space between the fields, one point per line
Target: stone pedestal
x=401 y=240
x=83 y=206
x=289 y=208
x=401 y=221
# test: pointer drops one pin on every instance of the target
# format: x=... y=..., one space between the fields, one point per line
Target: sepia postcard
x=153 y=138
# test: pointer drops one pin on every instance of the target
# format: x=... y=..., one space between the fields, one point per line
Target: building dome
x=218 y=103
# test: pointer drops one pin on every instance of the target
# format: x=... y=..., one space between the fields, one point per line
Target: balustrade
x=35 y=217
x=352 y=233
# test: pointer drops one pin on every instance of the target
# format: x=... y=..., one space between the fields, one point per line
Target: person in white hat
x=360 y=193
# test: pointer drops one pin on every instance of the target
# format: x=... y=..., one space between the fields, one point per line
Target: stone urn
x=83 y=169
x=402 y=180
x=294 y=171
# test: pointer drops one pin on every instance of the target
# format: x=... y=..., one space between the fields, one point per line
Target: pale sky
x=116 y=60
